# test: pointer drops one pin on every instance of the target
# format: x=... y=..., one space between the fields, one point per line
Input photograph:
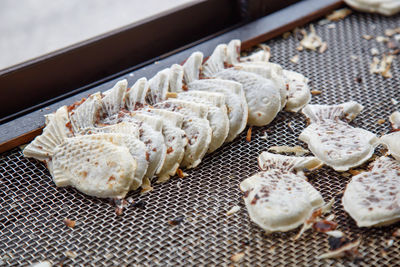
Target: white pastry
x=135 y=97
x=175 y=78
x=192 y=67
x=216 y=62
x=114 y=99
x=392 y=142
x=86 y=114
x=259 y=56
x=384 y=7
x=217 y=114
x=263 y=98
x=54 y=134
x=279 y=198
x=295 y=93
x=219 y=60
x=174 y=138
x=269 y=71
x=372 y=198
x=333 y=140
x=150 y=133
x=97 y=165
x=394 y=119
x=235 y=101
x=196 y=127
x=299 y=93
x=159 y=86
x=130 y=133
x=233 y=52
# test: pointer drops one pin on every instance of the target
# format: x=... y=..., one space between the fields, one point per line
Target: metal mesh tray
x=33 y=209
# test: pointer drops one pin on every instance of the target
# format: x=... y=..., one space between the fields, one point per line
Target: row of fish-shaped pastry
x=279 y=198
x=115 y=141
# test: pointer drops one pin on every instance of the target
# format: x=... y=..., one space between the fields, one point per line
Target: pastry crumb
x=69 y=223
x=367 y=37
x=382 y=39
x=323 y=47
x=339 y=14
x=248 y=136
x=295 y=59
x=298 y=150
x=316 y=92
x=233 y=210
x=237 y=257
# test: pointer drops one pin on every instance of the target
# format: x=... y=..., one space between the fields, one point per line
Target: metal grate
x=33 y=209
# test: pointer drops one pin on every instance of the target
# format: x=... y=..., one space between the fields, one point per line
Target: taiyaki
x=372 y=198
x=279 y=198
x=332 y=140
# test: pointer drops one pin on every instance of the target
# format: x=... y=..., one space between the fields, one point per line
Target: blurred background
x=31 y=28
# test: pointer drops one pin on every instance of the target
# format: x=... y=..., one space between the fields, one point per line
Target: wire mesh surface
x=33 y=209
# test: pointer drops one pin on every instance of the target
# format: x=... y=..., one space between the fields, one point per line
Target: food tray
x=33 y=209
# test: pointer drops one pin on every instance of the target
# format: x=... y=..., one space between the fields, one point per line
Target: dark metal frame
x=79 y=70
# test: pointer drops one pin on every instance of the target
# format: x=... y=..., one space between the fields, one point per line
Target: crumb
x=180 y=173
x=323 y=47
x=382 y=66
x=358 y=79
x=374 y=51
x=367 y=37
x=391 y=32
x=311 y=40
x=237 y=257
x=69 y=223
x=295 y=59
x=324 y=226
x=248 y=136
x=323 y=22
x=392 y=45
x=335 y=233
x=381 y=121
x=396 y=233
x=339 y=14
x=340 y=247
x=298 y=150
x=176 y=221
x=233 y=210
x=265 y=136
x=70 y=254
x=316 y=92
x=286 y=35
x=119 y=210
x=382 y=39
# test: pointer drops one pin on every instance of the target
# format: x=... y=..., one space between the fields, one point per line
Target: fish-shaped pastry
x=372 y=198
x=332 y=140
x=279 y=198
